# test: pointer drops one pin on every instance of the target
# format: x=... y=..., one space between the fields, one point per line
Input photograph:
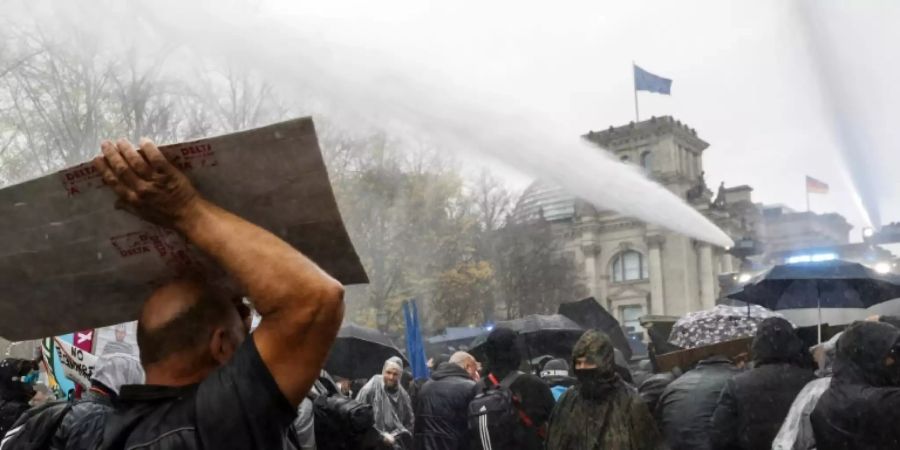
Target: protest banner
x=78 y=365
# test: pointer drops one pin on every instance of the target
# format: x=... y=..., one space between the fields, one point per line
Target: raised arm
x=301 y=306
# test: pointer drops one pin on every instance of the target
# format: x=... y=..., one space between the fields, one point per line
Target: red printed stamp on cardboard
x=164 y=243
x=195 y=155
x=81 y=178
x=133 y=244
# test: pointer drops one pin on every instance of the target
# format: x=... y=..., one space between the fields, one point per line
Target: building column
x=590 y=252
x=707 y=280
x=727 y=263
x=657 y=304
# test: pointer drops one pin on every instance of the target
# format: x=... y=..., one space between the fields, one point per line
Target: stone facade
x=633 y=268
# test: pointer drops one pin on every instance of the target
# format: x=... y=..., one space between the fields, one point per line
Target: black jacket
x=14 y=395
x=861 y=408
x=441 y=409
x=82 y=427
x=652 y=388
x=238 y=406
x=10 y=410
x=753 y=404
x=685 y=409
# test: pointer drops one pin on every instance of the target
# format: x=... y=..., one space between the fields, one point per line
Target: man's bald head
x=467 y=362
x=461 y=359
x=180 y=319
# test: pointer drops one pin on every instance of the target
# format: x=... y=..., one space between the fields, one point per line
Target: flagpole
x=637 y=115
x=807 y=199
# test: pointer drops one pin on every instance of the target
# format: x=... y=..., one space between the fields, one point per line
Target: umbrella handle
x=528 y=353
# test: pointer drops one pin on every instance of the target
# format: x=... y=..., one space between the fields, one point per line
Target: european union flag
x=646 y=81
x=415 y=346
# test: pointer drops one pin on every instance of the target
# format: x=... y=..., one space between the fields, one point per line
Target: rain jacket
x=651 y=389
x=684 y=411
x=861 y=408
x=392 y=409
x=613 y=418
x=796 y=433
x=753 y=404
x=442 y=409
x=82 y=427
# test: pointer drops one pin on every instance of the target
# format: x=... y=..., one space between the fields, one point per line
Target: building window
x=647 y=161
x=631 y=322
x=629 y=266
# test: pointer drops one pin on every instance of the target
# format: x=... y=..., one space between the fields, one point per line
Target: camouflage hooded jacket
x=613 y=418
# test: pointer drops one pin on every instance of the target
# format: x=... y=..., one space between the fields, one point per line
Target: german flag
x=814 y=186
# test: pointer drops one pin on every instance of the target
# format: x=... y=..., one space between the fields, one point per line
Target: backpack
x=36 y=428
x=495 y=415
x=336 y=415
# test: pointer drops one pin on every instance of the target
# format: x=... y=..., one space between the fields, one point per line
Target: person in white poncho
x=391 y=405
x=796 y=433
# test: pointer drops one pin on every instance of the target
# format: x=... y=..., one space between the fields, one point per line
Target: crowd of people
x=204 y=381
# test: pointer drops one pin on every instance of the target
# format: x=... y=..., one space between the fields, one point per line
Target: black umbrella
x=589 y=314
x=825 y=284
x=539 y=334
x=360 y=352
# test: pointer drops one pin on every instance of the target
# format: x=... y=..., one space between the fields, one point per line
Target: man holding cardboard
x=208 y=387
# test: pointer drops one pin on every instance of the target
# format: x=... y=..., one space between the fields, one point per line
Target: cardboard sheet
x=70 y=261
x=685 y=359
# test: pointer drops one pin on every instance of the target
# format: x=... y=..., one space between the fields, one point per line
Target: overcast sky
x=776 y=99
x=744 y=75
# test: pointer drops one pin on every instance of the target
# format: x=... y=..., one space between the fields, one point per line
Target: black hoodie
x=536 y=400
x=861 y=408
x=753 y=404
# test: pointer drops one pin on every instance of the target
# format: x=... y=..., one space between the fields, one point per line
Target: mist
x=839 y=72
x=367 y=85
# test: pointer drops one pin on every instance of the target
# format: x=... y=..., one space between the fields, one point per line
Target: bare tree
x=56 y=105
x=493 y=201
x=146 y=104
x=534 y=274
x=237 y=99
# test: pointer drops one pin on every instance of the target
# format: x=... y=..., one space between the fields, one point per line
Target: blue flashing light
x=817 y=257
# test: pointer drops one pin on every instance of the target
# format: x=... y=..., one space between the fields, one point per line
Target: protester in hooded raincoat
x=753 y=404
x=391 y=405
x=861 y=407
x=14 y=393
x=600 y=411
x=796 y=433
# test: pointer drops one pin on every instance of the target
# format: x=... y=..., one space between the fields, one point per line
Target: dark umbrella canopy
x=539 y=334
x=360 y=352
x=589 y=314
x=829 y=284
x=539 y=323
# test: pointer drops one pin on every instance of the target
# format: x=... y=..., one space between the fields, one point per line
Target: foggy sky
x=744 y=75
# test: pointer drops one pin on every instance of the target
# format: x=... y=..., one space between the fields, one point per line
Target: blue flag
x=415 y=346
x=646 y=81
